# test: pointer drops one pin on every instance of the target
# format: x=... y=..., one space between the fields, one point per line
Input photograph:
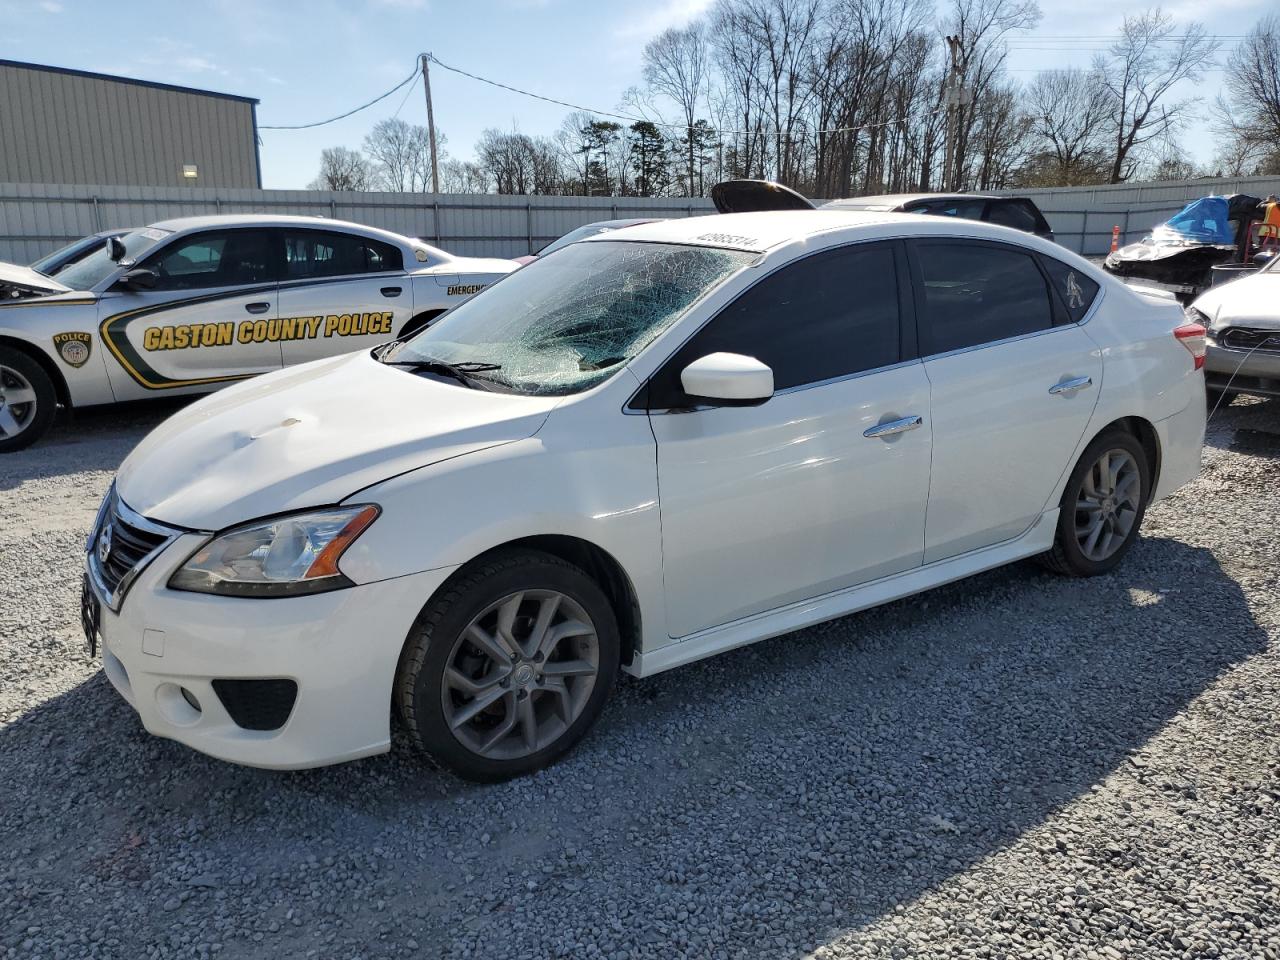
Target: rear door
x=340 y=292
x=205 y=322
x=799 y=496
x=1013 y=385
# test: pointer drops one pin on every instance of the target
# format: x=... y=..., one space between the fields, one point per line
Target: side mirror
x=728 y=380
x=139 y=278
x=115 y=249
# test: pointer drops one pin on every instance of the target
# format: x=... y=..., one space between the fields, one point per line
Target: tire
x=418 y=323
x=1071 y=554
x=444 y=713
x=28 y=401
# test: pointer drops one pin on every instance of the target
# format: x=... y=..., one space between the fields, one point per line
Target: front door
x=204 y=323
x=768 y=505
x=340 y=292
x=1013 y=385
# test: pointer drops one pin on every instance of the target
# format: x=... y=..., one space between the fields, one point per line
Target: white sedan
x=646 y=448
x=190 y=305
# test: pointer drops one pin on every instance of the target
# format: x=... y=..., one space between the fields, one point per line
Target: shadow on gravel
x=800 y=788
x=96 y=438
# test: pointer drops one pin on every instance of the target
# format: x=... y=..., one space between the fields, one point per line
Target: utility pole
x=431 y=124
x=951 y=96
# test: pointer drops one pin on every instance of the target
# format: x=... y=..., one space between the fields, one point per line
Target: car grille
x=257 y=704
x=122 y=544
x=1249 y=338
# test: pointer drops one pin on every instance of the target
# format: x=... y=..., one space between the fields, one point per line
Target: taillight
x=1192 y=336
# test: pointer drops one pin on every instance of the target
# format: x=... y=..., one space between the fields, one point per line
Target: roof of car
x=891 y=201
x=278 y=220
x=761 y=231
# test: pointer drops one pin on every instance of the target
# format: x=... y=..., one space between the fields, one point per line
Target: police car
x=189 y=305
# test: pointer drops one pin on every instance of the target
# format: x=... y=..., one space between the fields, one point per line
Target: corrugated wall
x=36 y=218
x=70 y=128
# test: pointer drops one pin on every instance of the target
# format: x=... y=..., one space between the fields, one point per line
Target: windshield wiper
x=463 y=372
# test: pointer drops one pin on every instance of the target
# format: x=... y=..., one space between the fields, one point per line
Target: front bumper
x=340 y=648
x=1258 y=372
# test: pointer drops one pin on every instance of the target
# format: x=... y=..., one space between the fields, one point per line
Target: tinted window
x=978 y=293
x=950 y=207
x=827 y=316
x=313 y=253
x=1013 y=213
x=1075 y=287
x=215 y=259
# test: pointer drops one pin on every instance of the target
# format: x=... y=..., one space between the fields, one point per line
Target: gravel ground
x=1014 y=766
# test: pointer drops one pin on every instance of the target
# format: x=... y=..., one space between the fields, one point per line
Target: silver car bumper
x=1256 y=372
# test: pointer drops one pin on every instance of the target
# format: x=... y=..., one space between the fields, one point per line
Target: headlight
x=285 y=557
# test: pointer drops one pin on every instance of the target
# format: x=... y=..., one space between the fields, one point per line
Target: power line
x=668 y=126
x=343 y=116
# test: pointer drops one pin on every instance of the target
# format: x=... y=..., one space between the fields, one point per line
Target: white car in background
x=651 y=446
x=190 y=305
x=1243 y=320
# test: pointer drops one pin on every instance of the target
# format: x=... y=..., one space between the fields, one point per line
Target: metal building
x=75 y=127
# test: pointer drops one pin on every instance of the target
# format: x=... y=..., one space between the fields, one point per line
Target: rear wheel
x=27 y=401
x=509 y=667
x=1102 y=506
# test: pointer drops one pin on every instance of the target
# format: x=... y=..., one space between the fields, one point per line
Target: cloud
x=50 y=6
x=402 y=4
x=671 y=13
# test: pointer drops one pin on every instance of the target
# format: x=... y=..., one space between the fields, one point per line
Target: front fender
x=52 y=329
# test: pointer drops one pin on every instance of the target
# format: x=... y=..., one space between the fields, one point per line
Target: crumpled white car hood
x=1252 y=301
x=309 y=436
x=25 y=276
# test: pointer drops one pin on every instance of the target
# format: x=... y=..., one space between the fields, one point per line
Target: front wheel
x=27 y=401
x=509 y=667
x=1102 y=506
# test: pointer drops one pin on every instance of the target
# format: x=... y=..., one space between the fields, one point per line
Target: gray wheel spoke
x=1127 y=490
x=458 y=680
x=570 y=628
x=476 y=707
x=528 y=722
x=9 y=425
x=1095 y=532
x=506 y=622
x=498 y=733
x=546 y=612
x=568 y=668
x=19 y=395
x=497 y=651
x=559 y=690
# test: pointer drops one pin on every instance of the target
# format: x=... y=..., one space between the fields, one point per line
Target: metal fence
x=36 y=218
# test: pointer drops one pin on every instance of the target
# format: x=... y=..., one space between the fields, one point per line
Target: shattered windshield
x=569 y=321
x=1201 y=221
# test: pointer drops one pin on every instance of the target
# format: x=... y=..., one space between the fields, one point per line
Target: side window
x=1013 y=213
x=216 y=259
x=315 y=253
x=1076 y=289
x=827 y=316
x=978 y=293
x=950 y=207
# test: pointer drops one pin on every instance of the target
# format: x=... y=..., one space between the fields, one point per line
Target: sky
x=314 y=61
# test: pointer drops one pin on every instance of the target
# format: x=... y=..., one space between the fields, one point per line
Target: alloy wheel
x=520 y=674
x=1107 y=504
x=17 y=402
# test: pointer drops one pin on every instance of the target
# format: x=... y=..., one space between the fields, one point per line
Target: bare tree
x=400 y=153
x=1140 y=72
x=342 y=168
x=1068 y=110
x=1249 y=114
x=675 y=66
x=464 y=176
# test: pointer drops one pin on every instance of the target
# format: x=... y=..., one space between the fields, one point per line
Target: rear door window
x=968 y=209
x=314 y=253
x=976 y=293
x=1013 y=213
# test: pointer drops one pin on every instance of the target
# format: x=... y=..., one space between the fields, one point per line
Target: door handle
x=391 y=291
x=893 y=427
x=259 y=307
x=1071 y=386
